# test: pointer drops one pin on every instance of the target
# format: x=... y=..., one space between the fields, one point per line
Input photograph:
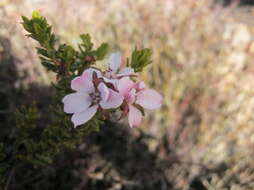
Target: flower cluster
x=97 y=91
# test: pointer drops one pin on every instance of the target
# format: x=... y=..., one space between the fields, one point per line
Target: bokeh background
x=203 y=56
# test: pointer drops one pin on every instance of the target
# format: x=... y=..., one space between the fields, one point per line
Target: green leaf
x=86 y=42
x=140 y=59
x=40 y=30
x=26 y=24
x=102 y=51
x=42 y=51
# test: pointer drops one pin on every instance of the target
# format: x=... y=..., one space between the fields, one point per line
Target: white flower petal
x=112 y=81
x=82 y=84
x=115 y=61
x=104 y=91
x=83 y=117
x=88 y=73
x=124 y=85
x=127 y=71
x=76 y=102
x=135 y=116
x=114 y=100
x=131 y=96
x=149 y=99
x=140 y=85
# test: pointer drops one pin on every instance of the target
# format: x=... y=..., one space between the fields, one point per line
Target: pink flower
x=136 y=94
x=115 y=71
x=78 y=82
x=88 y=98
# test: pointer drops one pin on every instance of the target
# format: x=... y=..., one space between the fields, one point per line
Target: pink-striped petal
x=114 y=100
x=135 y=116
x=149 y=99
x=82 y=117
x=76 y=102
x=124 y=85
x=88 y=73
x=112 y=81
x=104 y=91
x=115 y=61
x=82 y=84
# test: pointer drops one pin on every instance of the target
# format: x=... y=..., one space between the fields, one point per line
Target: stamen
x=95 y=97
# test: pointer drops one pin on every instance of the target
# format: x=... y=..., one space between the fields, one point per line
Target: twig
x=9 y=178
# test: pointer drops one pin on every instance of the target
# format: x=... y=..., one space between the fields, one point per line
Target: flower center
x=110 y=74
x=95 y=97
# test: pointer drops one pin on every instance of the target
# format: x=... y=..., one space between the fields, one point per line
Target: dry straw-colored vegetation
x=203 y=66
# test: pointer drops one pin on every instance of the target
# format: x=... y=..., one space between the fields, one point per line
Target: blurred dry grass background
x=203 y=66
